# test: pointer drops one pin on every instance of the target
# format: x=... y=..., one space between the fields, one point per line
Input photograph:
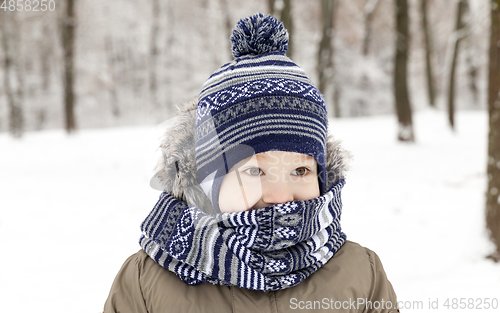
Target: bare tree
x=13 y=82
x=153 y=52
x=271 y=4
x=451 y=78
x=369 y=12
x=471 y=59
x=282 y=10
x=431 y=90
x=111 y=60
x=325 y=67
x=68 y=44
x=472 y=70
x=493 y=168
x=228 y=27
x=401 y=97
x=170 y=42
x=287 y=19
x=46 y=52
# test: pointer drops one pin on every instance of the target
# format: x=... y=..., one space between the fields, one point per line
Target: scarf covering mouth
x=266 y=249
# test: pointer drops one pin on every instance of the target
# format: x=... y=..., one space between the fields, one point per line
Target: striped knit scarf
x=270 y=248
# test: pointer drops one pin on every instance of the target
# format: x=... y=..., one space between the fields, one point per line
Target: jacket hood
x=176 y=168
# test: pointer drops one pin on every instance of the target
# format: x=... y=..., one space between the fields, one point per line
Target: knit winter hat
x=261 y=101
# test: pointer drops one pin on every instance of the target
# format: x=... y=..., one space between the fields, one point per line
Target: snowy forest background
x=71 y=202
x=135 y=60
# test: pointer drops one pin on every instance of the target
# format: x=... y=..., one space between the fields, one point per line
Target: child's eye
x=300 y=171
x=254 y=171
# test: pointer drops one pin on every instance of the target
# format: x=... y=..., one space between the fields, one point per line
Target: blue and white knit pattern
x=270 y=248
x=264 y=102
x=258 y=34
x=252 y=68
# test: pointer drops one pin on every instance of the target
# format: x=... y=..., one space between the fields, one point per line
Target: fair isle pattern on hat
x=283 y=117
x=261 y=101
x=266 y=249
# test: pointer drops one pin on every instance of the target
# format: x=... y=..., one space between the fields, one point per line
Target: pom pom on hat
x=259 y=34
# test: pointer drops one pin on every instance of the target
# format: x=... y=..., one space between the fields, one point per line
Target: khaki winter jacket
x=346 y=283
x=352 y=281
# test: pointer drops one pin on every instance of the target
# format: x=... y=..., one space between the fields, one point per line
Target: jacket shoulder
x=143 y=286
x=164 y=291
x=352 y=277
x=361 y=264
x=348 y=273
x=126 y=294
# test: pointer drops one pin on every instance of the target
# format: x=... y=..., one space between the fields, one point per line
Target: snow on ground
x=71 y=208
x=421 y=206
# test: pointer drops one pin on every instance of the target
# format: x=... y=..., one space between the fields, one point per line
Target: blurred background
x=87 y=88
x=130 y=63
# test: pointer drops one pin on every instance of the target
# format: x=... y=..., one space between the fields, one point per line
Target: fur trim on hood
x=176 y=169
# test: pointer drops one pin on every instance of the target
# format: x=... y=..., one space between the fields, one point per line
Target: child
x=249 y=220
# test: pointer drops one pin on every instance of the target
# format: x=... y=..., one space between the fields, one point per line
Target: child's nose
x=277 y=192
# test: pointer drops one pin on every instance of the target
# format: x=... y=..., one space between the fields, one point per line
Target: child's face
x=269 y=178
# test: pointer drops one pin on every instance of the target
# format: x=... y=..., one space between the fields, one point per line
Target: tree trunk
x=271 y=6
x=401 y=98
x=45 y=58
x=12 y=85
x=68 y=39
x=287 y=19
x=228 y=27
x=370 y=8
x=153 y=53
x=471 y=58
x=282 y=10
x=451 y=79
x=170 y=42
x=493 y=169
x=431 y=91
x=472 y=70
x=325 y=53
x=111 y=60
